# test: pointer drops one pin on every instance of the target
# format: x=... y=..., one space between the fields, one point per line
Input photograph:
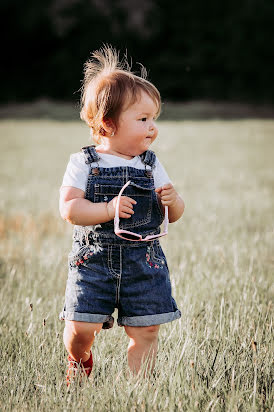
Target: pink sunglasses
x=135 y=237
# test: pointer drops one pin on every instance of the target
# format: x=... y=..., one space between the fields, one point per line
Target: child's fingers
x=169 y=199
x=127 y=209
x=124 y=215
x=127 y=202
x=168 y=191
x=167 y=186
x=166 y=202
x=167 y=195
x=128 y=199
x=165 y=190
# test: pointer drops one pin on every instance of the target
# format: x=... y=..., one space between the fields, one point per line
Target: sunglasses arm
x=166 y=221
x=117 y=207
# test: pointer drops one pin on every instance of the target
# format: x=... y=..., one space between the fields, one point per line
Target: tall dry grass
x=219 y=355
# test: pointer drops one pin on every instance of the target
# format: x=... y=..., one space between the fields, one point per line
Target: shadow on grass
x=195 y=110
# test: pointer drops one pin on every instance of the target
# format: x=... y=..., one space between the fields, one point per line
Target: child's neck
x=108 y=150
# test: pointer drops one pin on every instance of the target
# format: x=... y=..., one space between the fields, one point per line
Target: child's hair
x=109 y=87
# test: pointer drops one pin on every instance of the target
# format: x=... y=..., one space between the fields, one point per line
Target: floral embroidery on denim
x=85 y=257
x=150 y=259
x=85 y=244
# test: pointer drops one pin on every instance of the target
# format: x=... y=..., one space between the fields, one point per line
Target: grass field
x=219 y=355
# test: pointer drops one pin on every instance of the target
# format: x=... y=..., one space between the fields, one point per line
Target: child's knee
x=144 y=333
x=151 y=330
x=84 y=330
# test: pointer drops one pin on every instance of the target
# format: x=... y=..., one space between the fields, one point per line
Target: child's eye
x=144 y=119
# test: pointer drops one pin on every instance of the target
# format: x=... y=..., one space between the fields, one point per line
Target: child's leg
x=78 y=338
x=142 y=346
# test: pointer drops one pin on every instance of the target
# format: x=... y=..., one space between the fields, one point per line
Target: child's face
x=136 y=128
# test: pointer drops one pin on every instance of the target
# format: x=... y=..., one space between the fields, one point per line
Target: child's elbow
x=65 y=212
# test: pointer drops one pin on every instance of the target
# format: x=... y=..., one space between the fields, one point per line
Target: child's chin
x=148 y=143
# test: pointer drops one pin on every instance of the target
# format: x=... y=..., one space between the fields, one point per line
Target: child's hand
x=169 y=197
x=167 y=194
x=126 y=207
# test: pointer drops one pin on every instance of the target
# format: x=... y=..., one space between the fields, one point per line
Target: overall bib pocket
x=142 y=195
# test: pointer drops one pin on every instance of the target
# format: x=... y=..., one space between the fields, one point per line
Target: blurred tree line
x=192 y=49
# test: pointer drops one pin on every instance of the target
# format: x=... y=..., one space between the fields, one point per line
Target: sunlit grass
x=219 y=355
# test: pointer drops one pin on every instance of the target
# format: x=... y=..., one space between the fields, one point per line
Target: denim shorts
x=132 y=278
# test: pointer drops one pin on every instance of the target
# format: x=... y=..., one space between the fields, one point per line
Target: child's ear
x=108 y=126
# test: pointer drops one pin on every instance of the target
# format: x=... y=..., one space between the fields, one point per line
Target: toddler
x=117 y=263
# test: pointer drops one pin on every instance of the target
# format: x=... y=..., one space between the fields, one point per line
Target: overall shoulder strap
x=148 y=158
x=90 y=154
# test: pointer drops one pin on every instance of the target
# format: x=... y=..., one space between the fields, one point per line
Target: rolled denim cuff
x=86 y=317
x=149 y=320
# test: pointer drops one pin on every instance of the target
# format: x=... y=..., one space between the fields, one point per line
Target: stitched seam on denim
x=119 y=279
x=87 y=192
x=138 y=223
x=95 y=197
x=168 y=315
x=116 y=194
x=113 y=176
x=159 y=207
x=154 y=256
x=108 y=190
x=109 y=261
x=146 y=186
x=117 y=291
x=132 y=244
x=110 y=268
x=144 y=221
x=141 y=222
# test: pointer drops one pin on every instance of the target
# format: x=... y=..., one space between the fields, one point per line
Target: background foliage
x=193 y=49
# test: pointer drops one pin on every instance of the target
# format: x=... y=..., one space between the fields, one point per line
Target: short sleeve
x=77 y=172
x=160 y=175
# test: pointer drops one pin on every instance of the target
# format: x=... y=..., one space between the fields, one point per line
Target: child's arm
x=169 y=197
x=79 y=211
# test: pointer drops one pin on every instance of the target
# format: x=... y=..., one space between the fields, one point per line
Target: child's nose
x=154 y=129
x=152 y=126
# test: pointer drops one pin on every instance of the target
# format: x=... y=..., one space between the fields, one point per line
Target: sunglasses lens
x=130 y=236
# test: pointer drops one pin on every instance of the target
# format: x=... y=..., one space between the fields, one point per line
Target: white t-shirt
x=77 y=171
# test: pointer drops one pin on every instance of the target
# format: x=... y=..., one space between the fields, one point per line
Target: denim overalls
x=107 y=272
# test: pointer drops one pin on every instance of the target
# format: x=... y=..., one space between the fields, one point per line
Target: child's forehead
x=141 y=102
